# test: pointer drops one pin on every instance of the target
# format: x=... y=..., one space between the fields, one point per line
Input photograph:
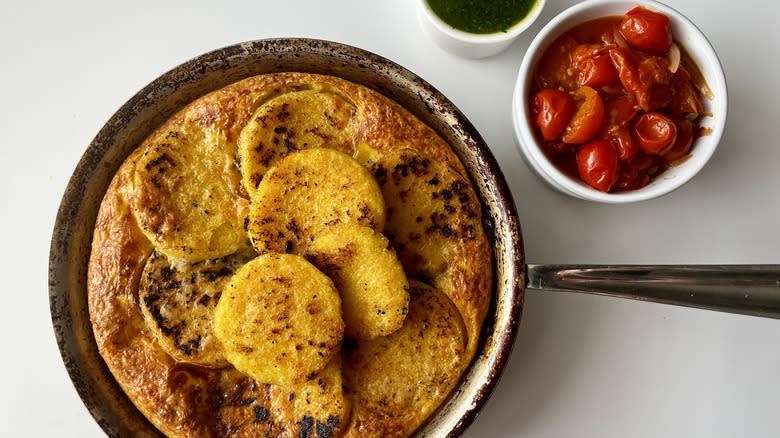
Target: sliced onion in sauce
x=674 y=58
x=619 y=40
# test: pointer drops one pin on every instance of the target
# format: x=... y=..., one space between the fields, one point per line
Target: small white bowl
x=685 y=34
x=472 y=45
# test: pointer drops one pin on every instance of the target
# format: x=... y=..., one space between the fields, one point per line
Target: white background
x=582 y=366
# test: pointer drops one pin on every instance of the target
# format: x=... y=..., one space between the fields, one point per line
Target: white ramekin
x=472 y=45
x=685 y=34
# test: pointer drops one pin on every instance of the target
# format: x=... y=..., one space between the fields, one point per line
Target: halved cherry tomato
x=646 y=30
x=553 y=109
x=655 y=133
x=682 y=146
x=597 y=164
x=587 y=120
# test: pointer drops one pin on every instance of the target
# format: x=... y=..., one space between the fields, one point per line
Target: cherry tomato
x=626 y=66
x=645 y=77
x=597 y=164
x=685 y=98
x=553 y=67
x=682 y=146
x=597 y=71
x=654 y=132
x=637 y=172
x=617 y=113
x=654 y=75
x=581 y=52
x=593 y=65
x=587 y=120
x=623 y=142
x=553 y=111
x=646 y=30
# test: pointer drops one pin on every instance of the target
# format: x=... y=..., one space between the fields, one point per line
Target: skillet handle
x=744 y=289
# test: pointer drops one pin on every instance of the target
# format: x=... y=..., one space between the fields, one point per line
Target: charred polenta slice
x=368 y=275
x=186 y=194
x=279 y=319
x=247 y=408
x=320 y=405
x=397 y=381
x=317 y=407
x=307 y=192
x=434 y=224
x=430 y=208
x=292 y=121
x=178 y=298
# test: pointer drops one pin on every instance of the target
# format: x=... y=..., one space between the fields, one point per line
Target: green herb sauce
x=481 y=16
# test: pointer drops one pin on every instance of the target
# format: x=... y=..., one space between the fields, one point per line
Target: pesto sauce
x=481 y=16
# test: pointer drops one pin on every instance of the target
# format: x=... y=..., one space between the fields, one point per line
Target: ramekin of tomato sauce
x=610 y=105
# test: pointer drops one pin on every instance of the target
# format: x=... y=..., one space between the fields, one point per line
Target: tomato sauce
x=616 y=102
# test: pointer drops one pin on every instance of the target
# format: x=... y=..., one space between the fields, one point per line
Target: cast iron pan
x=71 y=240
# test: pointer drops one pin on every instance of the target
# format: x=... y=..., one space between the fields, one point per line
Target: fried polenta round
x=295 y=120
x=306 y=193
x=368 y=275
x=177 y=300
x=397 y=381
x=186 y=199
x=434 y=224
x=279 y=319
x=321 y=407
x=245 y=407
x=318 y=407
x=430 y=208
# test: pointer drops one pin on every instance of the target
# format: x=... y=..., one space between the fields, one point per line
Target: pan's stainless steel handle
x=745 y=289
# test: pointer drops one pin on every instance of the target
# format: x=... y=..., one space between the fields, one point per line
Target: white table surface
x=582 y=366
